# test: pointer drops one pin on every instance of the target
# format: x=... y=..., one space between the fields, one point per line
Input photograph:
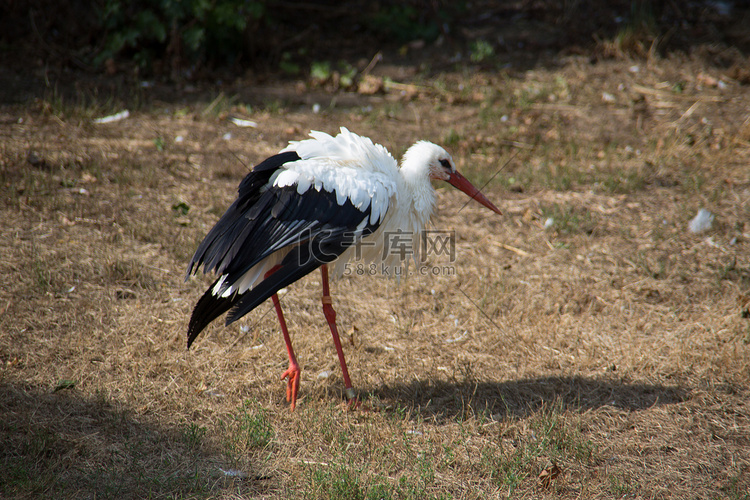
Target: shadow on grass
x=64 y=445
x=520 y=398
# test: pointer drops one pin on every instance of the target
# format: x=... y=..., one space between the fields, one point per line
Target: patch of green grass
x=133 y=467
x=561 y=176
x=404 y=466
x=193 y=435
x=25 y=466
x=569 y=219
x=549 y=438
x=623 y=183
x=491 y=113
x=451 y=138
x=275 y=106
x=42 y=273
x=736 y=489
x=531 y=93
x=44 y=462
x=220 y=105
x=248 y=428
x=288 y=65
x=507 y=469
x=481 y=51
x=343 y=482
x=342 y=74
x=180 y=209
x=620 y=486
x=83 y=106
x=561 y=88
x=638 y=33
x=336 y=482
x=320 y=71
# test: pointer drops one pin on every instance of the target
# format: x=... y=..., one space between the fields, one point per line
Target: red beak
x=459 y=181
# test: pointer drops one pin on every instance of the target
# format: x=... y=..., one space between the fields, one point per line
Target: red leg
x=330 y=315
x=291 y=373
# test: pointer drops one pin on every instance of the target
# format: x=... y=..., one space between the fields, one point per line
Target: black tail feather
x=300 y=261
x=208 y=308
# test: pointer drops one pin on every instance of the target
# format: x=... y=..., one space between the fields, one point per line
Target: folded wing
x=292 y=229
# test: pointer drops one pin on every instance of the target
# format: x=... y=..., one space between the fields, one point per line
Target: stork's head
x=437 y=164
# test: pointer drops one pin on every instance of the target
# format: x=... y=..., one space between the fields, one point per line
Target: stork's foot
x=353 y=402
x=292 y=384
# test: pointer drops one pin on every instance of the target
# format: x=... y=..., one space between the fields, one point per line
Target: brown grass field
x=588 y=345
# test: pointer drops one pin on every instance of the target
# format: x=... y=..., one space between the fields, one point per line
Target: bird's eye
x=446 y=164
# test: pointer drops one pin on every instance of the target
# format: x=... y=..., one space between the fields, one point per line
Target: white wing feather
x=348 y=165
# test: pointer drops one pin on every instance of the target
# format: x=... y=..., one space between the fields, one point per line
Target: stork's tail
x=208 y=308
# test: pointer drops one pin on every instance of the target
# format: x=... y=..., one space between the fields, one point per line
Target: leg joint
x=329 y=313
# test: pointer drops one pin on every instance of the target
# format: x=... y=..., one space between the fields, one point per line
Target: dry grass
x=606 y=356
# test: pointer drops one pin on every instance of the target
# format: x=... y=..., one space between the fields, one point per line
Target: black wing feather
x=250 y=191
x=301 y=261
x=281 y=227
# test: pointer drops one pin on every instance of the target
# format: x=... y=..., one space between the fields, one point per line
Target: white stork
x=318 y=201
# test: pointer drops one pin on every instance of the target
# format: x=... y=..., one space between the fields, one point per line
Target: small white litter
x=324 y=374
x=459 y=338
x=113 y=118
x=79 y=190
x=234 y=473
x=701 y=222
x=243 y=123
x=227 y=136
x=549 y=223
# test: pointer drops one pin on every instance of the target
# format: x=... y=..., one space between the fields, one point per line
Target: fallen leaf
x=549 y=474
